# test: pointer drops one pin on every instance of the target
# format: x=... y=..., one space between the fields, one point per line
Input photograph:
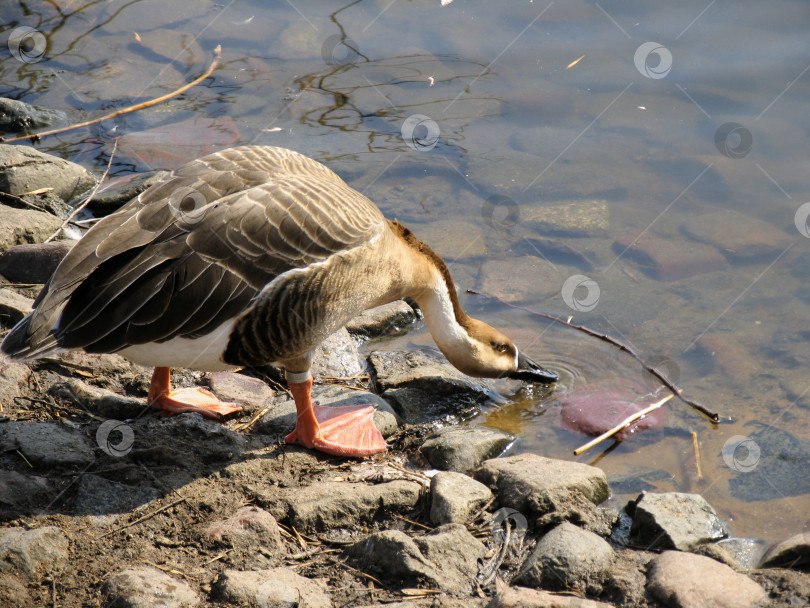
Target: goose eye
x=501 y=348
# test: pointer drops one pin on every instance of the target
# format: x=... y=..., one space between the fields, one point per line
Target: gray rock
x=792 y=553
x=674 y=520
x=423 y=385
x=111 y=198
x=99 y=496
x=582 y=218
x=686 y=580
x=13 y=306
x=48 y=444
x=13 y=382
x=249 y=392
x=390 y=319
x=19 y=226
x=147 y=588
x=280 y=420
x=531 y=483
x=737 y=235
x=18 y=116
x=194 y=427
x=566 y=557
x=33 y=262
x=99 y=401
x=336 y=357
x=455 y=498
x=329 y=505
x=445 y=558
x=23 y=169
x=19 y=491
x=521 y=597
x=30 y=552
x=462 y=448
x=745 y=553
x=247 y=527
x=271 y=588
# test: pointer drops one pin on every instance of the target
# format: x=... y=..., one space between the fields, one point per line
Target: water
x=630 y=138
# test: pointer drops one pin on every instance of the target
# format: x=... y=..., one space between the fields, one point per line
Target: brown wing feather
x=193 y=250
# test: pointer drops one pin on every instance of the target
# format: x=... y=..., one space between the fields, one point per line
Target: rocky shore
x=106 y=503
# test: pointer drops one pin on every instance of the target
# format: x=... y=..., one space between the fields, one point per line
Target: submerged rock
x=737 y=235
x=669 y=259
x=674 y=520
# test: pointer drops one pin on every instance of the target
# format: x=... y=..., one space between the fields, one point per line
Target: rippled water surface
x=658 y=151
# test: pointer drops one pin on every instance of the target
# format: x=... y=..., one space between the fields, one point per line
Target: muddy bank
x=107 y=503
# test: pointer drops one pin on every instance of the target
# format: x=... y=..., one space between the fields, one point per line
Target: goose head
x=490 y=354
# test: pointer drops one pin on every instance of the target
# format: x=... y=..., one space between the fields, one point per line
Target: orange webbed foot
x=178 y=401
x=341 y=431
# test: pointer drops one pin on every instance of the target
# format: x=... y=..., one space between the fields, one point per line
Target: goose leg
x=162 y=397
x=341 y=431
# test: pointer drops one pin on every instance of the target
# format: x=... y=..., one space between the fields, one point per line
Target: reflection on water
x=652 y=190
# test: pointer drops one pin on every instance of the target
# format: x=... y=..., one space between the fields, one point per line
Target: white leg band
x=298 y=377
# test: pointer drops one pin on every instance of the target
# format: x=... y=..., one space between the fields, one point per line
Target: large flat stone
x=274 y=587
x=669 y=259
x=48 y=444
x=463 y=448
x=686 y=580
x=531 y=483
x=148 y=588
x=521 y=597
x=737 y=235
x=674 y=520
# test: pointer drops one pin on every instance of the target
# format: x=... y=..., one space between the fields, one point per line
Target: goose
x=251 y=256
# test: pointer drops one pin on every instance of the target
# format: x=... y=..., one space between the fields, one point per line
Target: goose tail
x=18 y=344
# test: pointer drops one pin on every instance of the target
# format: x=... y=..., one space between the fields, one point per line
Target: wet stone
x=588 y=218
x=336 y=357
x=48 y=444
x=445 y=558
x=792 y=553
x=31 y=553
x=246 y=391
x=566 y=557
x=464 y=448
x=331 y=504
x=745 y=553
x=116 y=193
x=674 y=520
x=454 y=239
x=455 y=497
x=280 y=420
x=148 y=588
x=670 y=259
x=271 y=588
x=423 y=386
x=390 y=319
x=737 y=236
x=18 y=116
x=23 y=169
x=13 y=306
x=686 y=580
x=497 y=277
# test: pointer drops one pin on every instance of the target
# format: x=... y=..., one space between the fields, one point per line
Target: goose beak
x=529 y=371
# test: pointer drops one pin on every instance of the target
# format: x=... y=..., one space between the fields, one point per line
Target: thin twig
x=252 y=421
x=489 y=571
x=696 y=447
x=86 y=201
x=140 y=106
x=22 y=201
x=714 y=417
x=144 y=518
x=623 y=424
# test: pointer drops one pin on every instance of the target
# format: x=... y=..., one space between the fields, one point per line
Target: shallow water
x=628 y=145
